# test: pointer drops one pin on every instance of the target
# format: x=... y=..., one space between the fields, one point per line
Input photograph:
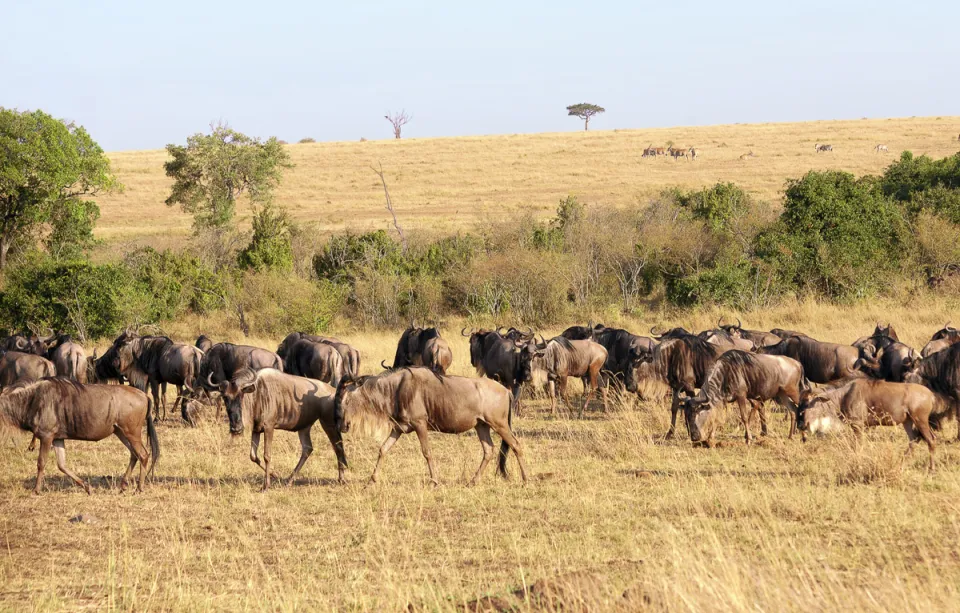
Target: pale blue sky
x=139 y=75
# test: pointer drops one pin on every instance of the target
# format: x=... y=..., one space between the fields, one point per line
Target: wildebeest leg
x=674 y=407
x=508 y=437
x=336 y=439
x=384 y=448
x=254 y=446
x=138 y=451
x=552 y=389
x=745 y=418
x=927 y=435
x=45 y=444
x=306 y=448
x=267 y=445
x=587 y=395
x=761 y=411
x=33 y=443
x=61 y=452
x=421 y=431
x=155 y=390
x=486 y=442
x=133 y=456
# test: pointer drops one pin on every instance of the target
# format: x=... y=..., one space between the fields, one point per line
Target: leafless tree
x=398 y=120
x=386 y=193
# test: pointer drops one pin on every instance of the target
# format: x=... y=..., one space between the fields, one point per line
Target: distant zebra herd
x=693 y=153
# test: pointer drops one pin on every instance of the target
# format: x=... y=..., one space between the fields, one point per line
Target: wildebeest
x=509 y=362
x=881 y=148
x=784 y=334
x=759 y=338
x=580 y=333
x=57 y=409
x=650 y=151
x=351 y=357
x=871 y=402
x=885 y=330
x=419 y=400
x=671 y=333
x=423 y=347
x=224 y=360
x=102 y=369
x=678 y=152
x=564 y=358
x=823 y=148
x=882 y=357
x=941 y=339
x=940 y=372
x=68 y=358
x=315 y=361
x=17 y=366
x=625 y=353
x=725 y=340
x=741 y=377
x=29 y=343
x=154 y=362
x=273 y=400
x=203 y=343
x=822 y=362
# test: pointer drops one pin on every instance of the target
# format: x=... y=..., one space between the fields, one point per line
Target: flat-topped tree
x=584 y=111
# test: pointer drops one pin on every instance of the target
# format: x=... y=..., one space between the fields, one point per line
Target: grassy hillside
x=451 y=183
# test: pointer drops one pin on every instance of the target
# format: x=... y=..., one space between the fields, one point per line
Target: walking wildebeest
x=823 y=148
x=509 y=362
x=56 y=409
x=69 y=359
x=351 y=357
x=423 y=347
x=741 y=377
x=822 y=362
x=694 y=153
x=315 y=361
x=155 y=361
x=419 y=399
x=277 y=401
x=881 y=148
x=678 y=153
x=203 y=343
x=224 y=360
x=649 y=152
x=564 y=358
x=871 y=402
x=625 y=352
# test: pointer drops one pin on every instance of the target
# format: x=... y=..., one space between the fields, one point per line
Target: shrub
x=175 y=283
x=275 y=303
x=270 y=247
x=730 y=285
x=303 y=141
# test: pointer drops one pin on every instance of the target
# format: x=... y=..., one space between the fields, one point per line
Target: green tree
x=585 y=111
x=213 y=170
x=47 y=167
x=270 y=248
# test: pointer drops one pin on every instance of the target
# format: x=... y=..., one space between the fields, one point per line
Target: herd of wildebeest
x=53 y=390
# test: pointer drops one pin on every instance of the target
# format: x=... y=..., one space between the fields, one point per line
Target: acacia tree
x=47 y=167
x=213 y=170
x=398 y=120
x=584 y=111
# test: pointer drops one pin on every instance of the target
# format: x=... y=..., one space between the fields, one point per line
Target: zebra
x=881 y=148
x=694 y=152
x=821 y=148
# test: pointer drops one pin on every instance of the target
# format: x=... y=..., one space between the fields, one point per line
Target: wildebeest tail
x=152 y=435
x=191 y=382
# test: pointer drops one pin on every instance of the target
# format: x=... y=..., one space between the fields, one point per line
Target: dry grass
x=445 y=184
x=612 y=519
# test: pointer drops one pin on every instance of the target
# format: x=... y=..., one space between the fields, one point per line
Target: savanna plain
x=612 y=518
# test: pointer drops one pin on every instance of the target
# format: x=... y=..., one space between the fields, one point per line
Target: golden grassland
x=447 y=184
x=612 y=518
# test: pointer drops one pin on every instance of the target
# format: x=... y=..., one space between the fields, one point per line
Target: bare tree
x=386 y=193
x=398 y=120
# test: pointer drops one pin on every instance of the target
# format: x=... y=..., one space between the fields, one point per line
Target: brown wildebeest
x=871 y=402
x=351 y=357
x=423 y=347
x=785 y=334
x=823 y=148
x=506 y=361
x=759 y=338
x=564 y=358
x=822 y=362
x=155 y=361
x=69 y=359
x=725 y=340
x=649 y=152
x=941 y=339
x=625 y=352
x=881 y=357
x=583 y=333
x=57 y=409
x=203 y=343
x=315 y=361
x=224 y=360
x=16 y=366
x=940 y=372
x=419 y=400
x=277 y=401
x=741 y=377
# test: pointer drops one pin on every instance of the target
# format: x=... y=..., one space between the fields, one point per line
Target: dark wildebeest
x=419 y=400
x=225 y=360
x=351 y=357
x=759 y=338
x=564 y=358
x=882 y=357
x=29 y=343
x=102 y=369
x=742 y=377
x=56 y=409
x=155 y=361
x=423 y=347
x=274 y=400
x=942 y=339
x=671 y=333
x=822 y=362
x=940 y=372
x=871 y=402
x=69 y=359
x=509 y=362
x=318 y=361
x=785 y=334
x=625 y=352
x=888 y=330
x=16 y=366
x=583 y=333
x=723 y=339
x=203 y=343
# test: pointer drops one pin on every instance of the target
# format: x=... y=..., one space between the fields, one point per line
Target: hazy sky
x=139 y=75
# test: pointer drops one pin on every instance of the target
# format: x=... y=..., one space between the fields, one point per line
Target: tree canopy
x=213 y=170
x=47 y=167
x=585 y=111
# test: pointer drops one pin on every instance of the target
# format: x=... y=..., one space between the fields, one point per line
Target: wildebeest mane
x=677 y=355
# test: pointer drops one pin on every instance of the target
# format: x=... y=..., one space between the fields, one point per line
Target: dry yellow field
x=612 y=518
x=445 y=184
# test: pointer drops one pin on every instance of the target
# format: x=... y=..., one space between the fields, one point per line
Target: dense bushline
x=835 y=237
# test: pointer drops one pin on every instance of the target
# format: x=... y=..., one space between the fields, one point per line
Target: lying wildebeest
x=56 y=409
x=419 y=399
x=203 y=343
x=759 y=338
x=625 y=352
x=725 y=340
x=509 y=362
x=741 y=377
x=583 y=333
x=882 y=357
x=17 y=366
x=423 y=347
x=274 y=400
x=68 y=358
x=351 y=357
x=822 y=362
x=564 y=358
x=942 y=339
x=940 y=372
x=318 y=361
x=155 y=361
x=871 y=402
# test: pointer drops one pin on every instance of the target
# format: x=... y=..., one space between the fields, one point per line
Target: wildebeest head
x=947 y=331
x=515 y=334
x=817 y=414
x=731 y=329
x=702 y=419
x=529 y=350
x=671 y=333
x=346 y=401
x=232 y=392
x=635 y=358
x=887 y=331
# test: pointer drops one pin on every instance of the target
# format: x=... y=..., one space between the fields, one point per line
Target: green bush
x=275 y=304
x=175 y=283
x=720 y=206
x=270 y=247
x=728 y=285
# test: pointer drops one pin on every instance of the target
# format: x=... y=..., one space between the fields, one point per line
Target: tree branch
x=386 y=193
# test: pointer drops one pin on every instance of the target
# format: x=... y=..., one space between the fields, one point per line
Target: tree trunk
x=586 y=123
x=4 y=248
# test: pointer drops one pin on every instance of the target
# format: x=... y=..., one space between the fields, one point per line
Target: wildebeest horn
x=463 y=331
x=720 y=322
x=529 y=333
x=383 y=364
x=739 y=325
x=210 y=380
x=653 y=331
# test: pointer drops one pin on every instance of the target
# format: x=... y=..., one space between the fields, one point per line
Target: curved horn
x=653 y=331
x=720 y=322
x=463 y=331
x=529 y=333
x=739 y=325
x=210 y=380
x=383 y=364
